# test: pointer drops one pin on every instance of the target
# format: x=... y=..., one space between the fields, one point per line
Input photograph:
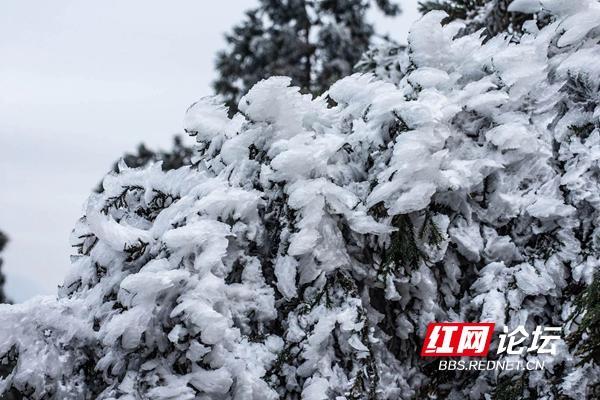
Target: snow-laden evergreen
x=306 y=250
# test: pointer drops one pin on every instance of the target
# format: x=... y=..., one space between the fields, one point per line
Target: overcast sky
x=81 y=82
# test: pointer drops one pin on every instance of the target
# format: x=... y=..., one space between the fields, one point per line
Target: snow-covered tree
x=315 y=42
x=306 y=249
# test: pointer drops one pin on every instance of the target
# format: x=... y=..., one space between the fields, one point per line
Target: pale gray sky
x=81 y=82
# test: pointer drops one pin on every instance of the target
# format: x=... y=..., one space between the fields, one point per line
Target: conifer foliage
x=179 y=155
x=304 y=252
x=493 y=16
x=315 y=42
x=3 y=241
